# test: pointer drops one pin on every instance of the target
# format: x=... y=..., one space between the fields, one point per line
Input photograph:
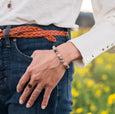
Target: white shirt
x=63 y=13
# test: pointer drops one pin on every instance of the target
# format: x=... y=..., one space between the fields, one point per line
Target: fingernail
x=21 y=101
x=27 y=105
x=43 y=107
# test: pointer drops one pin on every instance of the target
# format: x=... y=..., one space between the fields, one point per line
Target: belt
x=33 y=32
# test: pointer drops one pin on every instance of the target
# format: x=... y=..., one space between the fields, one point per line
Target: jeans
x=15 y=57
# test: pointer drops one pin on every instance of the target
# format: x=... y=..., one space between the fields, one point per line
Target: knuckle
x=43 y=83
x=35 y=52
x=23 y=97
x=35 y=77
x=21 y=83
x=29 y=70
x=45 y=100
x=31 y=100
x=34 y=94
x=50 y=85
x=20 y=86
x=46 y=97
x=27 y=91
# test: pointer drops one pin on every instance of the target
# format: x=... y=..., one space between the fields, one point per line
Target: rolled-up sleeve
x=101 y=37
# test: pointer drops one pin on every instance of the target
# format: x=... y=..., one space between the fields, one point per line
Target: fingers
x=46 y=98
x=34 y=95
x=25 y=78
x=34 y=53
x=27 y=91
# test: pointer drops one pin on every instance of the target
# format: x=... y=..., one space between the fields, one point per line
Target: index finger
x=24 y=79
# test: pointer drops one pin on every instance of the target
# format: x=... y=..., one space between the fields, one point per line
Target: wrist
x=69 y=52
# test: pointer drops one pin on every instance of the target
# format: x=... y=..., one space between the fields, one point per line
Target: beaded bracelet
x=61 y=58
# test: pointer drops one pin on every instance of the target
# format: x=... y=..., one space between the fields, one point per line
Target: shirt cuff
x=98 y=40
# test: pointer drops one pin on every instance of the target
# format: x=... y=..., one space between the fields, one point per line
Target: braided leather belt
x=33 y=32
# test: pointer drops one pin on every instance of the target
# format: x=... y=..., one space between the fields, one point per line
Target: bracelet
x=61 y=58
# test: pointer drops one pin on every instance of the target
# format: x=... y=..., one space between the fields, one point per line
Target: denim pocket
x=20 y=53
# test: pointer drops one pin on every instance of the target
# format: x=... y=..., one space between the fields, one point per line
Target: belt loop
x=69 y=33
x=7 y=36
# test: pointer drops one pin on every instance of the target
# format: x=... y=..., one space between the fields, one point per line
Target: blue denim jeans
x=15 y=57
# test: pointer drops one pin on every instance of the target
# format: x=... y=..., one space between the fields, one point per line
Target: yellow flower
x=82 y=72
x=74 y=34
x=111 y=99
x=108 y=66
x=75 y=93
x=99 y=60
x=92 y=107
x=89 y=113
x=104 y=77
x=106 y=89
x=74 y=102
x=98 y=93
x=90 y=83
x=72 y=113
x=104 y=112
x=76 y=69
x=79 y=110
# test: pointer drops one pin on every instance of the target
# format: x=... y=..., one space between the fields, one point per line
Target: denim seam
x=20 y=53
x=68 y=75
x=5 y=66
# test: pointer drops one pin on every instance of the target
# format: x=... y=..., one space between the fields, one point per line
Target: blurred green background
x=93 y=87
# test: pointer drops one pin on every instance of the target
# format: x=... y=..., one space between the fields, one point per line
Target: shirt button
x=112 y=44
x=93 y=56
x=87 y=59
x=103 y=49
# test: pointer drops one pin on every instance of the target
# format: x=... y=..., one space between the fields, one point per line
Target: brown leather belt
x=33 y=32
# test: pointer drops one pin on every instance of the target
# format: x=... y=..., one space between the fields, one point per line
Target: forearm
x=69 y=52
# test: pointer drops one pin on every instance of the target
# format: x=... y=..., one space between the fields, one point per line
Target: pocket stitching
x=24 y=56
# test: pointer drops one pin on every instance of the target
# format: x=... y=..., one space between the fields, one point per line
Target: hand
x=44 y=72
